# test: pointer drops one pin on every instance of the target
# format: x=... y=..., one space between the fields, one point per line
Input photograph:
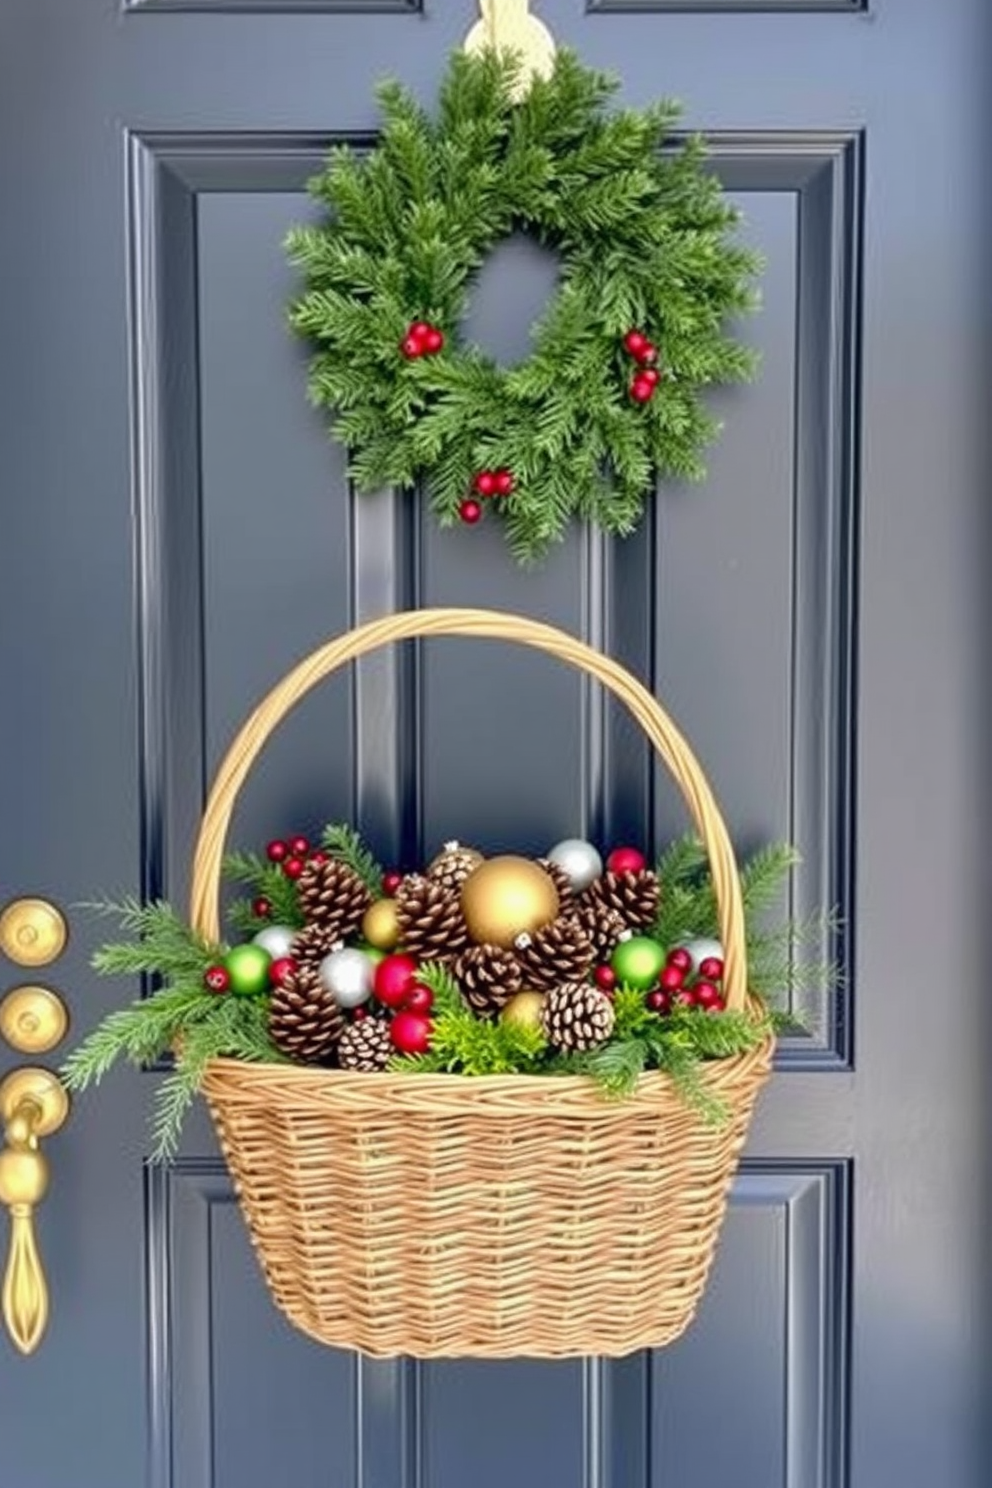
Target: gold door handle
x=33 y=1104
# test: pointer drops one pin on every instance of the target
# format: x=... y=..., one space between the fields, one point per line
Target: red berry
x=485 y=483
x=470 y=512
x=216 y=979
x=261 y=907
x=433 y=340
x=650 y=375
x=276 y=851
x=357 y=1014
x=681 y=958
x=410 y=1033
x=411 y=347
x=293 y=867
x=707 y=996
x=419 y=999
x=626 y=860
x=647 y=354
x=504 y=482
x=711 y=968
x=635 y=342
x=319 y=856
x=658 y=1001
x=394 y=976
x=299 y=847
x=391 y=882
x=280 y=969
x=641 y=390
x=671 y=978
x=420 y=330
x=605 y=978
x=685 y=997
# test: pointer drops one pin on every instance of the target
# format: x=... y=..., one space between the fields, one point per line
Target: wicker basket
x=438 y=1215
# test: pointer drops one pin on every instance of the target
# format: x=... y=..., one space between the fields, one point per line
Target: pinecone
x=633 y=895
x=453 y=865
x=333 y=896
x=304 y=1020
x=559 y=952
x=488 y=977
x=576 y=1016
x=432 y=926
x=365 y=1046
x=311 y=945
x=562 y=882
x=605 y=927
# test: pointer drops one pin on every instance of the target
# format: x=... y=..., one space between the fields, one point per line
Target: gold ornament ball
x=505 y=896
x=524 y=1009
x=381 y=926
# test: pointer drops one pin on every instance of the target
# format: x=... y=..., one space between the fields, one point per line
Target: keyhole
x=511 y=291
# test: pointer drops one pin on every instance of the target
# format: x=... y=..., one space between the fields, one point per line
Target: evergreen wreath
x=610 y=396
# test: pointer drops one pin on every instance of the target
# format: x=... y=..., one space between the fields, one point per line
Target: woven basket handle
x=658 y=727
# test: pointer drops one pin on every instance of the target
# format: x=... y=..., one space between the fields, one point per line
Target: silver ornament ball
x=701 y=949
x=347 y=974
x=578 y=860
x=276 y=939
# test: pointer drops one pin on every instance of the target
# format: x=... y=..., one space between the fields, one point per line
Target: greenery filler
x=610 y=396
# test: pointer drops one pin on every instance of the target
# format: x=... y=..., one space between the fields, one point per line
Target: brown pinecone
x=633 y=895
x=365 y=1046
x=576 y=1016
x=311 y=945
x=562 y=882
x=488 y=977
x=432 y=926
x=333 y=896
x=605 y=927
x=559 y=952
x=453 y=865
x=304 y=1020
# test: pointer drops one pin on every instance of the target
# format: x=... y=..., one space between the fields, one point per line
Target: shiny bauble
x=391 y=881
x=626 y=860
x=281 y=970
x=605 y=978
x=347 y=975
x=393 y=978
x=708 y=996
x=506 y=896
x=248 y=968
x=381 y=925
x=276 y=939
x=702 y=949
x=578 y=860
x=523 y=1010
x=638 y=961
x=410 y=1033
x=419 y=998
x=217 y=979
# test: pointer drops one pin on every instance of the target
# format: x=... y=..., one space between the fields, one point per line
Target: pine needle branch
x=347 y=845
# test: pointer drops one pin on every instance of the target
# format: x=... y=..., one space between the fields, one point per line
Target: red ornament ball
x=391 y=882
x=605 y=978
x=394 y=976
x=685 y=997
x=635 y=342
x=293 y=867
x=671 y=978
x=299 y=847
x=711 y=968
x=276 y=851
x=281 y=968
x=626 y=860
x=433 y=340
x=680 y=958
x=647 y=354
x=485 y=483
x=410 y=1033
x=419 y=999
x=650 y=375
x=641 y=390
x=707 y=997
x=261 y=907
x=420 y=330
x=504 y=482
x=470 y=512
x=658 y=1001
x=217 y=979
x=411 y=347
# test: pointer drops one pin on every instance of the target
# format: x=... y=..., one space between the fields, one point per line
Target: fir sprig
x=462 y=1044
x=263 y=880
x=347 y=845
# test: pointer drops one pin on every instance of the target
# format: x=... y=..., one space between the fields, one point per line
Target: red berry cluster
x=645 y=353
x=395 y=986
x=486 y=484
x=678 y=987
x=291 y=856
x=422 y=339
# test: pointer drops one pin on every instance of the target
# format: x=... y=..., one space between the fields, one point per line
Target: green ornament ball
x=373 y=954
x=638 y=961
x=248 y=968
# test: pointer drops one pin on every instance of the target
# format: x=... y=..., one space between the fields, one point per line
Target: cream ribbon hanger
x=507 y=25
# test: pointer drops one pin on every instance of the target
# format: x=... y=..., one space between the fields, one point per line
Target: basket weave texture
x=440 y=1215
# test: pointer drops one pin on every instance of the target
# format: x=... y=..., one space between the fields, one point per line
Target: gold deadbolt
x=33 y=1020
x=32 y=932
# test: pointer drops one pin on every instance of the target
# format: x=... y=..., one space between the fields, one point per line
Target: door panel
x=177 y=530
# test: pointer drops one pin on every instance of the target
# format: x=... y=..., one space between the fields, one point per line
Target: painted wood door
x=176 y=530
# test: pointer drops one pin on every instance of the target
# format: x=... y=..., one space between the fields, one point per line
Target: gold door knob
x=32 y=932
x=33 y=1104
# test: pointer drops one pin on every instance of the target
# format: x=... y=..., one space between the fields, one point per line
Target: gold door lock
x=33 y=932
x=33 y=1104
